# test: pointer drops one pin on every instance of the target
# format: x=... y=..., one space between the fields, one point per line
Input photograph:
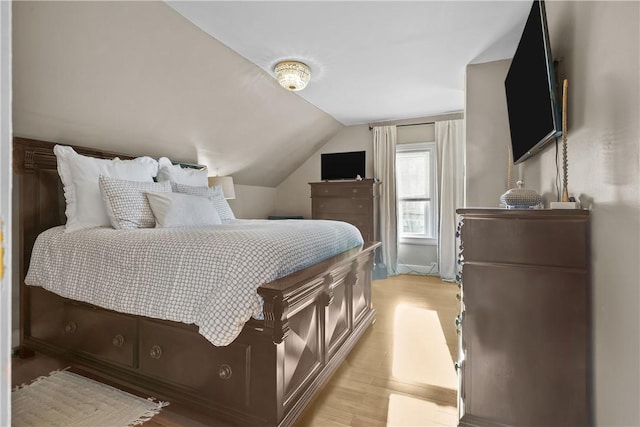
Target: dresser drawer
x=104 y=335
x=341 y=190
x=223 y=373
x=341 y=205
x=541 y=242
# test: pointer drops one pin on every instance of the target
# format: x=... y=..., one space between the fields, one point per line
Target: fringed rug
x=66 y=399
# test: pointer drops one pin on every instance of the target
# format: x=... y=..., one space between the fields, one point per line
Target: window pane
x=412 y=171
x=414 y=218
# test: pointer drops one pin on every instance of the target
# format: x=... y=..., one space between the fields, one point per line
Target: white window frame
x=433 y=178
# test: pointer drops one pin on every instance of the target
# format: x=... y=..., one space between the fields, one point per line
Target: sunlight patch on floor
x=409 y=411
x=420 y=352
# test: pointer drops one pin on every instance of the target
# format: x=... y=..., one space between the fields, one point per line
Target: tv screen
x=530 y=86
x=336 y=166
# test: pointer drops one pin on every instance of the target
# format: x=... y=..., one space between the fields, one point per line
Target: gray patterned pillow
x=213 y=193
x=127 y=204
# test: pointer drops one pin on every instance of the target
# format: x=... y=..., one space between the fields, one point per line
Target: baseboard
x=431 y=269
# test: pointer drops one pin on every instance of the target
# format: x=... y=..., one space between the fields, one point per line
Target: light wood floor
x=400 y=374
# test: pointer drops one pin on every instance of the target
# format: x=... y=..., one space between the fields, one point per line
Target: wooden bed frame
x=266 y=377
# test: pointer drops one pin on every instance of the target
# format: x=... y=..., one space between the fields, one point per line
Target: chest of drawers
x=355 y=202
x=525 y=320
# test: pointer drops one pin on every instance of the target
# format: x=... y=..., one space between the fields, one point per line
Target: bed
x=308 y=322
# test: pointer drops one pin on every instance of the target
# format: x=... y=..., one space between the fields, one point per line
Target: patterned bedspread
x=203 y=276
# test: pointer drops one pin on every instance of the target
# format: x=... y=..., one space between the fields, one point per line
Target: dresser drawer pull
x=118 y=340
x=321 y=206
x=70 y=328
x=225 y=372
x=156 y=352
x=355 y=190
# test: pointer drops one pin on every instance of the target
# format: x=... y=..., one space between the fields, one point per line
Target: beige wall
x=599 y=46
x=253 y=202
x=487 y=134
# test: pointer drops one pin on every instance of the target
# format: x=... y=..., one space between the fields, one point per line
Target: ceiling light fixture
x=292 y=75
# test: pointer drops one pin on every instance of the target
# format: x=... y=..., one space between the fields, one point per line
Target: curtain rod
x=409 y=124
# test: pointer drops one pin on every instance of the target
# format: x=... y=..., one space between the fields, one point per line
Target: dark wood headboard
x=41 y=203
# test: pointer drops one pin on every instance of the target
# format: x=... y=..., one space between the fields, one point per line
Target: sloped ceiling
x=141 y=78
x=138 y=78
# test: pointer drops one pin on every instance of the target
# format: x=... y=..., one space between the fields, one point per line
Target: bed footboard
x=266 y=377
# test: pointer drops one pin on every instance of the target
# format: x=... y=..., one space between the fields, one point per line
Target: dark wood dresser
x=355 y=202
x=525 y=319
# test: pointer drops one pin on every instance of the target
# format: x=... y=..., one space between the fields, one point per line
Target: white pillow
x=79 y=175
x=127 y=204
x=212 y=193
x=182 y=210
x=167 y=171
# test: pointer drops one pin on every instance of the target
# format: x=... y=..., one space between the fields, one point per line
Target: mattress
x=205 y=276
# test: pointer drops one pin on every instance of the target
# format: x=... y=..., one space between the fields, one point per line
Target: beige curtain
x=384 y=169
x=450 y=146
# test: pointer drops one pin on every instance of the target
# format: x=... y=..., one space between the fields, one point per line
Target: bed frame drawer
x=101 y=334
x=169 y=353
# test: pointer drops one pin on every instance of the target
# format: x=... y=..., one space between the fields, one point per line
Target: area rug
x=66 y=399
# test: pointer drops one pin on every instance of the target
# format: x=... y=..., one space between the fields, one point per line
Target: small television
x=531 y=89
x=342 y=166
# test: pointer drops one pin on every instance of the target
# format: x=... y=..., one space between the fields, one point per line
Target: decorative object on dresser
x=521 y=198
x=565 y=202
x=355 y=202
x=312 y=318
x=525 y=318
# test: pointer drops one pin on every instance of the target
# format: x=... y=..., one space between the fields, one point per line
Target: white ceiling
x=370 y=61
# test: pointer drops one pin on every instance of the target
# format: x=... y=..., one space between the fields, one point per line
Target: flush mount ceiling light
x=292 y=75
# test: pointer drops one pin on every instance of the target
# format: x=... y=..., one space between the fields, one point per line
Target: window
x=416 y=192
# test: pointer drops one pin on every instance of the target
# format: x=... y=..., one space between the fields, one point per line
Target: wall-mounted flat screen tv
x=337 y=166
x=531 y=89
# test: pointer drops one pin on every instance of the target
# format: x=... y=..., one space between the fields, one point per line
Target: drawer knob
x=156 y=352
x=71 y=327
x=118 y=340
x=355 y=190
x=225 y=372
x=322 y=206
